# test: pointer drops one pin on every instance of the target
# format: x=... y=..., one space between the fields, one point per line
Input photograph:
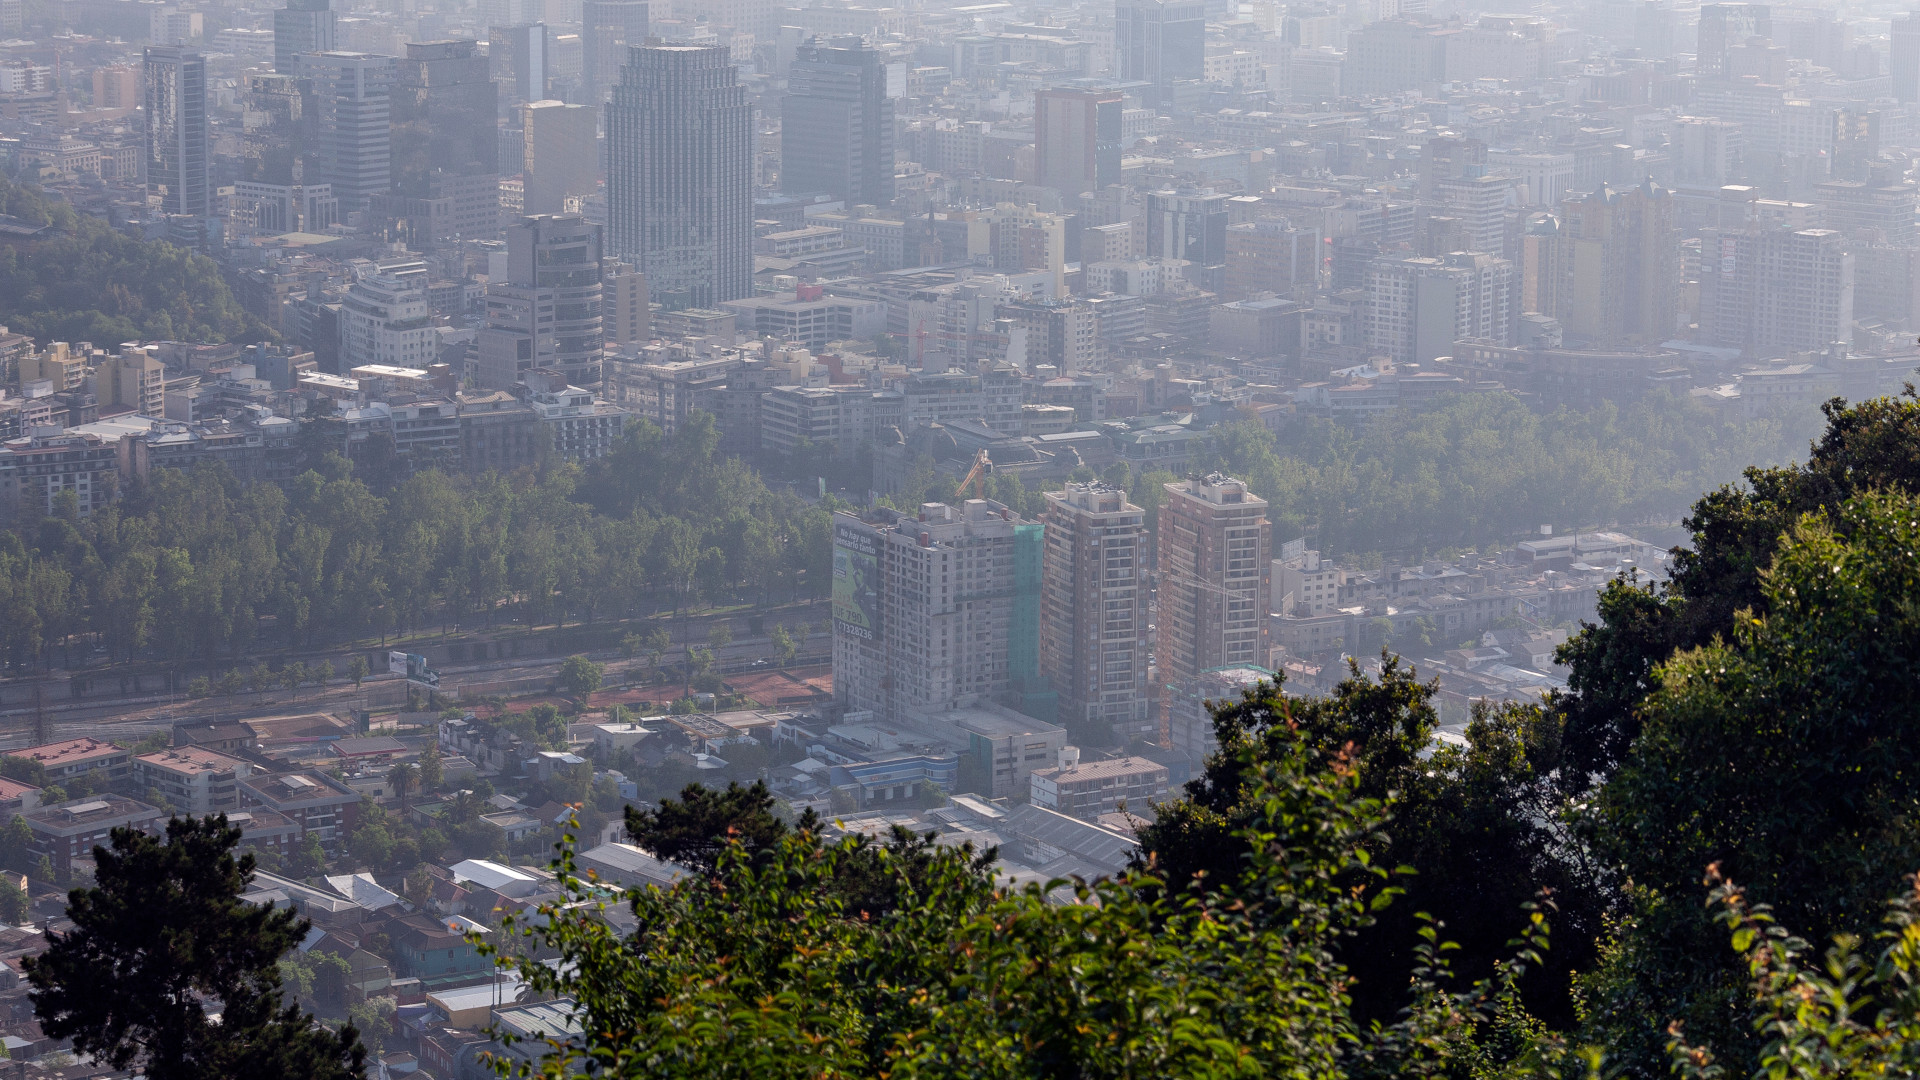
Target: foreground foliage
x=164 y=938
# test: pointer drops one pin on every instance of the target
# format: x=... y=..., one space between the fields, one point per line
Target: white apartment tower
x=923 y=608
x=384 y=319
x=1093 y=611
x=1216 y=551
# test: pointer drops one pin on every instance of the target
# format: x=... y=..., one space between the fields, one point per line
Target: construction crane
x=977 y=476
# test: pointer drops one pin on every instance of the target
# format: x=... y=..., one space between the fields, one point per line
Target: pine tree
x=164 y=930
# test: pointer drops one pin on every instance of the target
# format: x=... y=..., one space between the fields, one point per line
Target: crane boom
x=977 y=476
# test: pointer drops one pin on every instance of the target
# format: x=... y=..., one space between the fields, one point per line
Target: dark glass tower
x=836 y=125
x=178 y=162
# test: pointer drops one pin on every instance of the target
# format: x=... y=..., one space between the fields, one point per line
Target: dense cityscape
x=1137 y=538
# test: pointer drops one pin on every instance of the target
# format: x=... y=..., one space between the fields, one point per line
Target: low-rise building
x=69 y=759
x=71 y=830
x=1088 y=790
x=321 y=805
x=262 y=829
x=192 y=779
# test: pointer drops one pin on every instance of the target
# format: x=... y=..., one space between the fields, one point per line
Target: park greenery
x=1699 y=860
x=84 y=280
x=191 y=565
x=1483 y=469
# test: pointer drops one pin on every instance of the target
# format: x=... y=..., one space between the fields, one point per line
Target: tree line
x=190 y=565
x=1486 y=468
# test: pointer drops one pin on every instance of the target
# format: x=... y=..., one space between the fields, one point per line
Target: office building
x=1393 y=56
x=349 y=108
x=303 y=26
x=680 y=174
x=607 y=28
x=518 y=55
x=563 y=154
x=1903 y=57
x=1271 y=257
x=1879 y=213
x=1093 y=612
x=384 y=319
x=1215 y=564
x=1160 y=42
x=1076 y=139
x=1771 y=291
x=836 y=125
x=1620 y=258
x=274 y=139
x=923 y=607
x=1725 y=27
x=179 y=159
x=1191 y=225
x=547 y=313
x=445 y=145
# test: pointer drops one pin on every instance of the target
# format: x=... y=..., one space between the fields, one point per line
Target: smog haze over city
x=1033 y=538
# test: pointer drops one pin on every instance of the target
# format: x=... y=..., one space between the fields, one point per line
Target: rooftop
x=70 y=752
x=191 y=759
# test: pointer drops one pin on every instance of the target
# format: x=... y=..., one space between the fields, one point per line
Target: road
x=138 y=715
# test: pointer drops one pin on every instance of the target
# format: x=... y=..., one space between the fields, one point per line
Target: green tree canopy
x=164 y=929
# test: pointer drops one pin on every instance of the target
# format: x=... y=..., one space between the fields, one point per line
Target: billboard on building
x=413 y=666
x=856 y=581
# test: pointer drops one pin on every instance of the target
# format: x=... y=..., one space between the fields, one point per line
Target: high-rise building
x=1725 y=27
x=1620 y=266
x=445 y=145
x=179 y=161
x=1903 y=57
x=1394 y=55
x=1160 y=42
x=1768 y=291
x=349 y=110
x=1540 y=265
x=1093 y=612
x=625 y=316
x=607 y=28
x=1076 y=139
x=1418 y=307
x=563 y=154
x=1479 y=204
x=274 y=137
x=548 y=312
x=1883 y=213
x=385 y=319
x=1190 y=225
x=680 y=174
x=116 y=86
x=1271 y=256
x=923 y=607
x=1215 y=567
x=518 y=55
x=1706 y=152
x=303 y=26
x=836 y=124
x=1450 y=157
